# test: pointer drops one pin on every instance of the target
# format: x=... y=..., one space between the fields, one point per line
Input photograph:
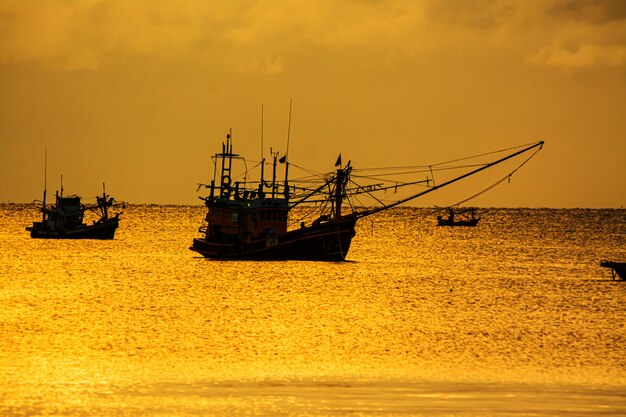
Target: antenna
x=105 y=206
x=261 y=131
x=45 y=170
x=45 y=184
x=287 y=153
x=262 y=158
x=289 y=127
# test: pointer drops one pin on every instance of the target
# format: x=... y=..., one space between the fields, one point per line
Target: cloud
x=262 y=36
x=593 y=11
x=254 y=36
x=587 y=55
x=577 y=34
x=287 y=24
x=474 y=14
x=85 y=34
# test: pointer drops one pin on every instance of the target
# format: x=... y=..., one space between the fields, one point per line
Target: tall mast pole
x=339 y=192
x=45 y=183
x=261 y=185
x=105 y=207
x=287 y=153
x=275 y=155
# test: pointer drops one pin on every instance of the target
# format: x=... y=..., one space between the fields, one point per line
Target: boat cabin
x=67 y=214
x=245 y=220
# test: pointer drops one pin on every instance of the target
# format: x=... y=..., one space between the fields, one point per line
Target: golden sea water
x=513 y=317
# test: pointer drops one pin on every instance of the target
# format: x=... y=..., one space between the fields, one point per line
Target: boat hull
x=618 y=268
x=328 y=241
x=104 y=229
x=447 y=222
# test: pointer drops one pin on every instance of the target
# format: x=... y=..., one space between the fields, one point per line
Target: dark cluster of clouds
x=85 y=34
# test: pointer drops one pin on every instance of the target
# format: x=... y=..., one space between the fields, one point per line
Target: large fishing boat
x=248 y=219
x=65 y=219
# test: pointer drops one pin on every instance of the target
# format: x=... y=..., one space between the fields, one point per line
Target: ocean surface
x=514 y=317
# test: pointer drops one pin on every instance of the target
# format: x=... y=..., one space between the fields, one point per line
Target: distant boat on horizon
x=64 y=220
x=248 y=219
x=454 y=220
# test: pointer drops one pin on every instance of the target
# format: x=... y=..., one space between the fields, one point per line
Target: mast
x=262 y=159
x=105 y=206
x=286 y=157
x=339 y=192
x=227 y=161
x=275 y=155
x=489 y=165
x=45 y=184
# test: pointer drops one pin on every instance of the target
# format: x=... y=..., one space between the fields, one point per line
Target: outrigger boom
x=538 y=145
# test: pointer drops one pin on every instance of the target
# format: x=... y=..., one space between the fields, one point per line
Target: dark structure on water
x=65 y=219
x=618 y=269
x=454 y=220
x=251 y=223
x=251 y=220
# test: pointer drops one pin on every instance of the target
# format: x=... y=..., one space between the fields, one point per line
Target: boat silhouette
x=454 y=219
x=252 y=219
x=64 y=220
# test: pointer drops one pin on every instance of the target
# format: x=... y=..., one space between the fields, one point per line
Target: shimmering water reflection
x=512 y=317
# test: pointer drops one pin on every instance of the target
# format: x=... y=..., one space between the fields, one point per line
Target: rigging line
x=490 y=153
x=396 y=174
x=432 y=171
x=309 y=178
x=432 y=174
x=427 y=167
x=361 y=205
x=318 y=189
x=508 y=176
x=350 y=197
x=254 y=167
x=396 y=182
x=451 y=167
x=411 y=167
x=460 y=177
x=418 y=168
x=310 y=171
x=483 y=191
x=524 y=163
x=361 y=189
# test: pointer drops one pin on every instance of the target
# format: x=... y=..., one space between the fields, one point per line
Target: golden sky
x=140 y=93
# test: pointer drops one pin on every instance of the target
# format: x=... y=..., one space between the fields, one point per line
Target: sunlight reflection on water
x=514 y=316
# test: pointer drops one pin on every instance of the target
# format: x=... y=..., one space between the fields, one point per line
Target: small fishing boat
x=64 y=220
x=454 y=219
x=307 y=218
x=618 y=269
